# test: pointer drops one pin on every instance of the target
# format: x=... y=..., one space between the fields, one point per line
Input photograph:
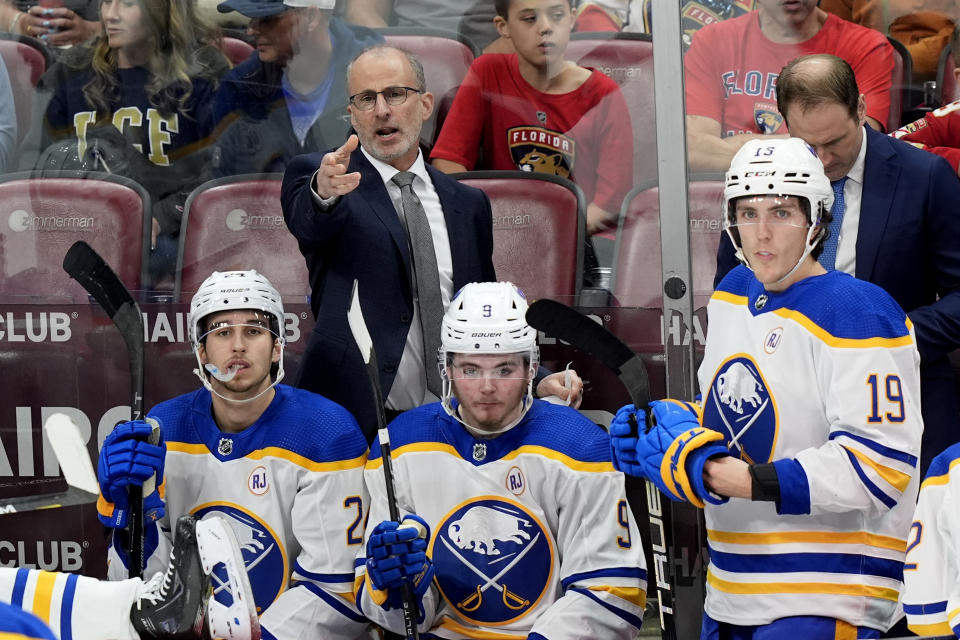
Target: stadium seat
x=946 y=82
x=637 y=273
x=539 y=230
x=236 y=223
x=446 y=56
x=900 y=88
x=628 y=59
x=41 y=218
x=26 y=59
x=236 y=50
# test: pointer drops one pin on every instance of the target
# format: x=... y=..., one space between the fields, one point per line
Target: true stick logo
x=658 y=542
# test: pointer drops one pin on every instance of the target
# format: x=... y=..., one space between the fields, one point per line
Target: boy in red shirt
x=532 y=110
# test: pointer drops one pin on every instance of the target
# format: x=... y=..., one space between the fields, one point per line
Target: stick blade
x=84 y=264
x=64 y=438
x=358 y=327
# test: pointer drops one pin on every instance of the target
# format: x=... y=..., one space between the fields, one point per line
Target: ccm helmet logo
x=758 y=174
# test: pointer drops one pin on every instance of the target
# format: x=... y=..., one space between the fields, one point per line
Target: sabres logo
x=767 y=118
x=263 y=555
x=741 y=408
x=493 y=559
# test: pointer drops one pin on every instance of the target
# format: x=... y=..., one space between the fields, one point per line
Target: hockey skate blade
x=218 y=545
x=64 y=438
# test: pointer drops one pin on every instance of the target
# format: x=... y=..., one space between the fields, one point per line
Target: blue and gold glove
x=127 y=459
x=397 y=554
x=672 y=453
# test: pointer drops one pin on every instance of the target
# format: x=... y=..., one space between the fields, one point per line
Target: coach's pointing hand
x=332 y=179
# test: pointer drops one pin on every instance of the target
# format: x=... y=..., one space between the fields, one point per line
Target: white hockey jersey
x=530 y=531
x=823 y=381
x=931 y=575
x=291 y=487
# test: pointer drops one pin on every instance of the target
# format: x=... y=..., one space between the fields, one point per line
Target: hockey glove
x=128 y=459
x=397 y=554
x=623 y=440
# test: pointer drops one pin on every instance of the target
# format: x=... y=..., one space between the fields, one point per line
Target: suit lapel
x=456 y=230
x=373 y=193
x=880 y=175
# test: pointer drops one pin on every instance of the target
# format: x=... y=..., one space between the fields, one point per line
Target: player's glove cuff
x=695 y=461
x=673 y=466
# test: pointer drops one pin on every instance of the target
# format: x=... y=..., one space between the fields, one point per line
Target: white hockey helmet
x=483 y=318
x=234 y=291
x=783 y=167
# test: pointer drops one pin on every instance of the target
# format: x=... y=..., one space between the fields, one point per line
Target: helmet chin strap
x=808 y=247
x=446 y=401
x=205 y=379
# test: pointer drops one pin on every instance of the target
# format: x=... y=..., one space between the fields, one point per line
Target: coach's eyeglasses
x=367 y=100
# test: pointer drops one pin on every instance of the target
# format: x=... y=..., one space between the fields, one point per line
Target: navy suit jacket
x=908 y=242
x=361 y=237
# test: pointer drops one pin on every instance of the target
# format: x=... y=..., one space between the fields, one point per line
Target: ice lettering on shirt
x=541 y=150
x=493 y=560
x=263 y=555
x=160 y=130
x=739 y=406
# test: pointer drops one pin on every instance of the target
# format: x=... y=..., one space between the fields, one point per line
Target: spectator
x=58 y=24
x=526 y=482
x=8 y=120
x=636 y=15
x=731 y=74
x=924 y=27
x=804 y=455
x=349 y=228
x=282 y=466
x=899 y=226
x=939 y=130
x=534 y=111
x=472 y=19
x=144 y=91
x=288 y=97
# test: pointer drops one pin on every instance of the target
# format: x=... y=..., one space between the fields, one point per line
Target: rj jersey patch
x=541 y=150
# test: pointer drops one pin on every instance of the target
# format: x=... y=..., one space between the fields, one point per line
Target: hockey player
x=529 y=534
x=175 y=605
x=283 y=466
x=805 y=454
x=931 y=574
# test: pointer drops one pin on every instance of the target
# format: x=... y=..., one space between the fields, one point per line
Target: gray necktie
x=425 y=274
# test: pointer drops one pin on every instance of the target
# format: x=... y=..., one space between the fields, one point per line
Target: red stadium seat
x=236 y=50
x=236 y=223
x=539 y=230
x=628 y=59
x=446 y=56
x=946 y=82
x=637 y=273
x=26 y=59
x=42 y=217
x=902 y=79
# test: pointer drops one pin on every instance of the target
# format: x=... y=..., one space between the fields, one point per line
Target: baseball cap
x=265 y=8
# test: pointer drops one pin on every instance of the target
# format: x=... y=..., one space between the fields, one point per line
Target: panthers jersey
x=822 y=380
x=931 y=575
x=583 y=135
x=937 y=132
x=291 y=488
x=531 y=534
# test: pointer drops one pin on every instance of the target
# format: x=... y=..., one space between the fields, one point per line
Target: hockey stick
x=563 y=322
x=358 y=327
x=71 y=453
x=85 y=265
